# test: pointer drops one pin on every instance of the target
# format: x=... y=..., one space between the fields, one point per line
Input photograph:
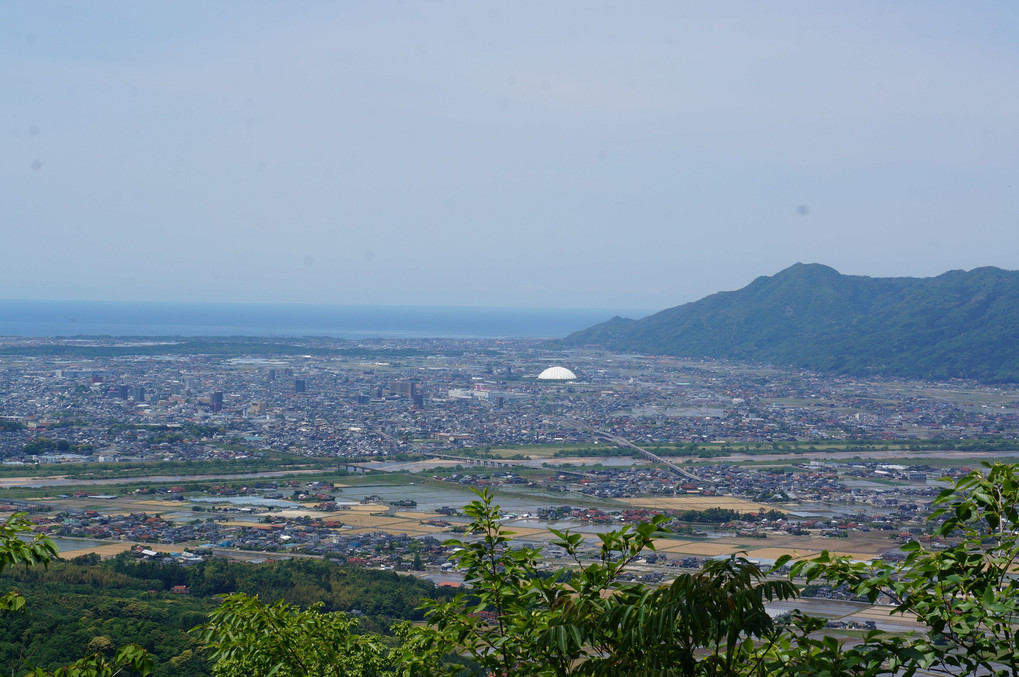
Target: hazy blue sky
x=623 y=154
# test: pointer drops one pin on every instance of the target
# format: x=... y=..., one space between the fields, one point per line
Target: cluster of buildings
x=462 y=398
x=136 y=527
x=306 y=536
x=397 y=396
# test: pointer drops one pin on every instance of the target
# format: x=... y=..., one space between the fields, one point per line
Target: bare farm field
x=867 y=544
x=696 y=548
x=112 y=549
x=862 y=547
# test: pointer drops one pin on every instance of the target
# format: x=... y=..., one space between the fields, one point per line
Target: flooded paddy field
x=418 y=504
x=431 y=496
x=62 y=481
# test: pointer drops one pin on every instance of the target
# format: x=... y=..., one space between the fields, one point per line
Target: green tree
x=248 y=638
x=40 y=550
x=965 y=592
x=517 y=620
x=131 y=659
x=712 y=622
x=14 y=551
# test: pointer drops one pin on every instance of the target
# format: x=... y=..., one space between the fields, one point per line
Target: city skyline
x=572 y=155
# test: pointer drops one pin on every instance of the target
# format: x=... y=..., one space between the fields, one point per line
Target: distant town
x=367 y=456
x=467 y=394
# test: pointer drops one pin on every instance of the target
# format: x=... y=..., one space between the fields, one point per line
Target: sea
x=103 y=318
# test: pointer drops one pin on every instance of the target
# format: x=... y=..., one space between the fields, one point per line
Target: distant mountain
x=956 y=325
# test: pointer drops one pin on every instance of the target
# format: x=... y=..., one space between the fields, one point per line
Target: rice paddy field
x=425 y=519
x=697 y=502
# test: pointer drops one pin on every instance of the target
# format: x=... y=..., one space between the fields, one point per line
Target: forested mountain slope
x=956 y=325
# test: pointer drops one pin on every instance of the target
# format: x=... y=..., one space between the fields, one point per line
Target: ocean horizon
x=132 y=318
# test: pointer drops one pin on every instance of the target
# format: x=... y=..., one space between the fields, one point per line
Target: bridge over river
x=623 y=442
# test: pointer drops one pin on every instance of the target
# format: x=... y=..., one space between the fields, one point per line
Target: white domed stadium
x=557 y=374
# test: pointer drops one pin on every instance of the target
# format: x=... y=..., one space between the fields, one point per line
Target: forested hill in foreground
x=956 y=325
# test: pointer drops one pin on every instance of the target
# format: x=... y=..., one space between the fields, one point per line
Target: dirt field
x=299 y=513
x=882 y=614
x=151 y=504
x=698 y=548
x=858 y=546
x=367 y=518
x=111 y=549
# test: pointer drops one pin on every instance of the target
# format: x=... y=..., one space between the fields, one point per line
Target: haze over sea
x=99 y=318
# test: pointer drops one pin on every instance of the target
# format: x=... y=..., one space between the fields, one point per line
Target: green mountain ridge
x=957 y=325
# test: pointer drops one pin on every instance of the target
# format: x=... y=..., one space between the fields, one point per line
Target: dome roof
x=557 y=374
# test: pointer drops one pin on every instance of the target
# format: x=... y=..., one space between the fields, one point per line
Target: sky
x=527 y=154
